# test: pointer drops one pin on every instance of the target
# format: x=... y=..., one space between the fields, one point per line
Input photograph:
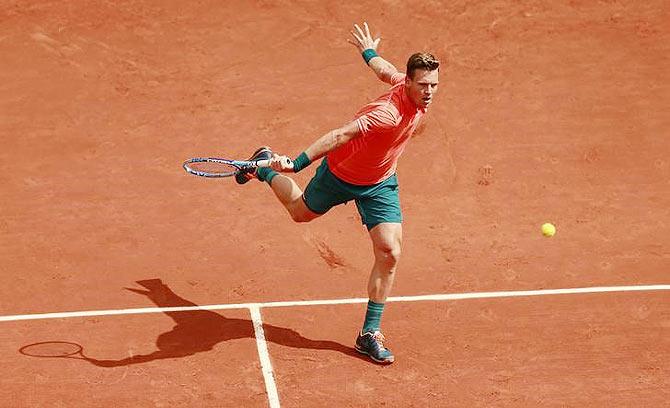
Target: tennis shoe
x=372 y=344
x=244 y=175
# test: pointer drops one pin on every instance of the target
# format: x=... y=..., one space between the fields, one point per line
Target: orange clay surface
x=547 y=112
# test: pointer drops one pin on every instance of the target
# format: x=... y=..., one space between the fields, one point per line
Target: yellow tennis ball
x=548 y=229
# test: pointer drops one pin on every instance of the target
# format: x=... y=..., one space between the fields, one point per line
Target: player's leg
x=322 y=193
x=386 y=245
x=380 y=211
x=291 y=196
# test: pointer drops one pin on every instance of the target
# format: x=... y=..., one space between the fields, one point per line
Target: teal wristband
x=369 y=54
x=301 y=162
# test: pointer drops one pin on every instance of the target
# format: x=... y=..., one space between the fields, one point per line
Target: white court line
x=439 y=297
x=264 y=355
x=261 y=343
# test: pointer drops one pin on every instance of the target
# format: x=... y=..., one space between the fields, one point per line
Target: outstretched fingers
x=360 y=32
x=364 y=39
x=359 y=40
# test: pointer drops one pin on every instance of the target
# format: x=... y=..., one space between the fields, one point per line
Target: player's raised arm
x=367 y=46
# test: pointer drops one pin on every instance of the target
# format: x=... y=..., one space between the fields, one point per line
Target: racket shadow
x=198 y=331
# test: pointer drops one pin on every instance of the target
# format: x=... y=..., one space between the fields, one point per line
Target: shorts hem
x=371 y=225
x=304 y=200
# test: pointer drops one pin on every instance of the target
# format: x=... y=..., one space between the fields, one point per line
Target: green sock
x=373 y=317
x=266 y=174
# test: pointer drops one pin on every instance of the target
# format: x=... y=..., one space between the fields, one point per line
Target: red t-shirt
x=386 y=125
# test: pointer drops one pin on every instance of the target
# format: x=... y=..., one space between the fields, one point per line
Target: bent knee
x=301 y=217
x=300 y=213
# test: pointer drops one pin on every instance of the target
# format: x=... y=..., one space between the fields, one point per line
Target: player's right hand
x=281 y=163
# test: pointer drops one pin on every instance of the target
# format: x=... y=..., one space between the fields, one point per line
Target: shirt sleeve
x=381 y=118
x=397 y=78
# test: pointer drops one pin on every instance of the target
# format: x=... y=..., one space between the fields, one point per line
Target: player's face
x=423 y=87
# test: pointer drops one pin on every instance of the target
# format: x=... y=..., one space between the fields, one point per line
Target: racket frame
x=32 y=350
x=238 y=164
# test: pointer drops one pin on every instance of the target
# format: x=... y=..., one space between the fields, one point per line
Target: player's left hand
x=363 y=38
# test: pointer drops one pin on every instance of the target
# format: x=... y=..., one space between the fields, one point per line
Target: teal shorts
x=376 y=203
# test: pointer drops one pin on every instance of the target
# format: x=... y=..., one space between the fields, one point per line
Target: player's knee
x=388 y=253
x=300 y=217
x=300 y=213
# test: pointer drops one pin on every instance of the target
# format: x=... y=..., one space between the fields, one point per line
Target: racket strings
x=213 y=167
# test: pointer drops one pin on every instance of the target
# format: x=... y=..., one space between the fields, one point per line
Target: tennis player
x=359 y=164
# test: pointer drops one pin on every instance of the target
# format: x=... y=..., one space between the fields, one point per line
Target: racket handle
x=286 y=162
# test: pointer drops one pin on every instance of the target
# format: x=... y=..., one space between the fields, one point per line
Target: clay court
x=191 y=292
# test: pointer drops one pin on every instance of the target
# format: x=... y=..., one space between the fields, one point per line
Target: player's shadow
x=198 y=331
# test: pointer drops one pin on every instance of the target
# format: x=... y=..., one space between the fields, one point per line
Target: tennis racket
x=215 y=167
x=54 y=349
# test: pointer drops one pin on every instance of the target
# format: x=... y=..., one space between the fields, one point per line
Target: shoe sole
x=388 y=361
x=243 y=179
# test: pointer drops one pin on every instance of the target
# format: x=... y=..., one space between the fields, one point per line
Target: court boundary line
x=301 y=303
x=264 y=356
x=257 y=320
